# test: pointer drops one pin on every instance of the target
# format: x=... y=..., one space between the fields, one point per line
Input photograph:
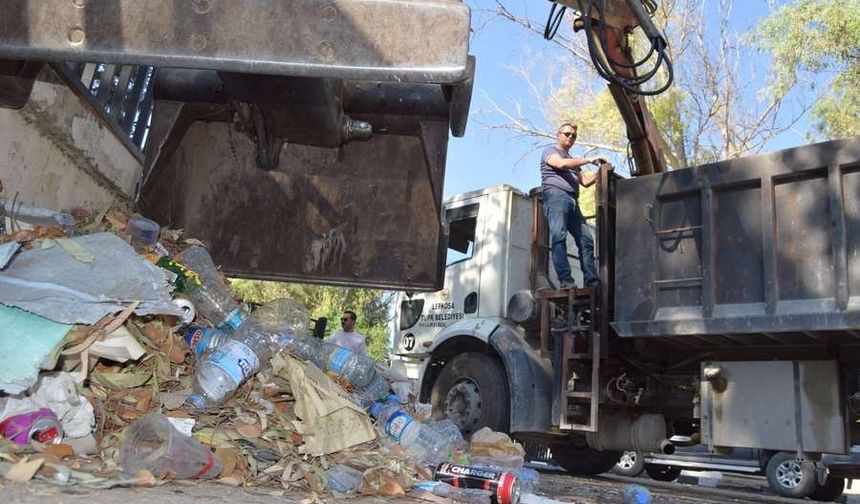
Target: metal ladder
x=564 y=354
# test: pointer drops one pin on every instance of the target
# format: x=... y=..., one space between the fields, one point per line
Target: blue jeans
x=563 y=214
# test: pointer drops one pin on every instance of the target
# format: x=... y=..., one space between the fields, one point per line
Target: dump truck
x=727 y=313
x=297 y=139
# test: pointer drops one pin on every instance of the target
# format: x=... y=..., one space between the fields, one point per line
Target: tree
x=811 y=39
x=372 y=306
x=717 y=108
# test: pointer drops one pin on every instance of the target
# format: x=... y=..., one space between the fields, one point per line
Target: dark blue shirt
x=564 y=180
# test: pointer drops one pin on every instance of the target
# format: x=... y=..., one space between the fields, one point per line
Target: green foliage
x=809 y=38
x=372 y=306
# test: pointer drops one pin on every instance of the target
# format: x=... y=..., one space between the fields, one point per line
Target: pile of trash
x=125 y=360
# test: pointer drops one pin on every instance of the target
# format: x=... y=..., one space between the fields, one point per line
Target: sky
x=485 y=157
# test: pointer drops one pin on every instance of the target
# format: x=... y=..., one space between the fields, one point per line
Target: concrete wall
x=55 y=153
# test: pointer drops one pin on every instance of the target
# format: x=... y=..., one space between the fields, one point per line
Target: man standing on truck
x=349 y=337
x=561 y=175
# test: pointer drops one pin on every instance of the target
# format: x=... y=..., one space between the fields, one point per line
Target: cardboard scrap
x=118 y=346
x=330 y=421
x=24 y=470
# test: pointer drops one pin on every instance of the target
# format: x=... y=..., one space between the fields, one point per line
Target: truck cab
x=468 y=344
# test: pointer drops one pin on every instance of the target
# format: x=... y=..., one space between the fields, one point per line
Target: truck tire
x=631 y=464
x=472 y=391
x=790 y=477
x=830 y=491
x=584 y=461
x=660 y=472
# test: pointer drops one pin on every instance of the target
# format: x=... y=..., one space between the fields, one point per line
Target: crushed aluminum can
x=41 y=425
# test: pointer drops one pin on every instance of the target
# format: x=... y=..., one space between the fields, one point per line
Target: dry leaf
x=157 y=333
x=117 y=220
x=249 y=430
x=228 y=456
x=60 y=450
x=121 y=381
x=144 y=400
x=24 y=470
x=145 y=478
x=176 y=351
x=390 y=487
x=230 y=481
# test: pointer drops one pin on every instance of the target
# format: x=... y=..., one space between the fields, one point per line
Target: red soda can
x=503 y=484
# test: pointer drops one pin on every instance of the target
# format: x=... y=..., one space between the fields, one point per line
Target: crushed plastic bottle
x=360 y=370
x=636 y=494
x=528 y=478
x=442 y=489
x=416 y=438
x=208 y=292
x=449 y=430
x=246 y=351
x=343 y=479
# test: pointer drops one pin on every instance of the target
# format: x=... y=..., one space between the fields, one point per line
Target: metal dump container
x=763 y=244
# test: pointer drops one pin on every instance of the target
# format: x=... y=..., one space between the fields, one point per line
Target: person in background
x=348 y=337
x=561 y=175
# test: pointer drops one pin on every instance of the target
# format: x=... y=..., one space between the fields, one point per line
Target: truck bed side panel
x=762 y=244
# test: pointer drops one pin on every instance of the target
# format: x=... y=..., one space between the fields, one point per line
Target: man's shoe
x=567 y=284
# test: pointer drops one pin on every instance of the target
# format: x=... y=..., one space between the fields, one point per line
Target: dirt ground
x=605 y=489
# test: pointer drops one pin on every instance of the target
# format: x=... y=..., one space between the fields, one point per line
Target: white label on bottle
x=236 y=359
x=397 y=423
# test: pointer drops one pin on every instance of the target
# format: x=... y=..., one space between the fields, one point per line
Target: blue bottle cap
x=374 y=409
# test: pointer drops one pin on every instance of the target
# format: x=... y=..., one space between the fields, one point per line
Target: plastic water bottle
x=416 y=438
x=360 y=370
x=442 y=489
x=245 y=352
x=635 y=494
x=378 y=389
x=208 y=292
x=343 y=479
x=528 y=478
x=449 y=430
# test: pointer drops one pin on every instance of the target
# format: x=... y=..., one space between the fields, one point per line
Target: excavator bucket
x=300 y=140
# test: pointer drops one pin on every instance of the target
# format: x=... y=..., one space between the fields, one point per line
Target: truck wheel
x=584 y=461
x=789 y=477
x=472 y=391
x=830 y=491
x=631 y=464
x=660 y=472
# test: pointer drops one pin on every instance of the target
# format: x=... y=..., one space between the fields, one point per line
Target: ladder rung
x=579 y=395
x=579 y=427
x=580 y=355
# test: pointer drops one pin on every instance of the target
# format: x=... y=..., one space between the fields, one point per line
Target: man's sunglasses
x=344 y=319
x=568 y=134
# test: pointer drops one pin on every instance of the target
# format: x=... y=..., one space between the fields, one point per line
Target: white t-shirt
x=351 y=340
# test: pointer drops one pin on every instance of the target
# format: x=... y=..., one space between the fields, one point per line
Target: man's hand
x=597 y=160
